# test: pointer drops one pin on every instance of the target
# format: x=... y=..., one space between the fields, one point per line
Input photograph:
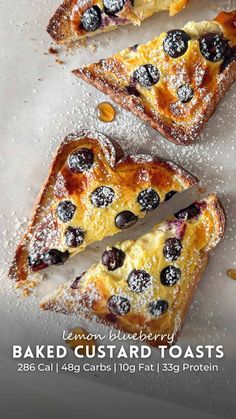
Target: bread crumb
x=52 y=50
x=58 y=61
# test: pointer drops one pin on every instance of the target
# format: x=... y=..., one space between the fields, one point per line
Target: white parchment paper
x=41 y=102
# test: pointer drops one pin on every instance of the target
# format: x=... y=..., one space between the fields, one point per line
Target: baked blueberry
x=229 y=58
x=113 y=258
x=213 y=47
x=185 y=93
x=169 y=195
x=81 y=160
x=170 y=275
x=147 y=75
x=175 y=43
x=158 y=307
x=148 y=199
x=74 y=284
x=187 y=213
x=55 y=257
x=91 y=19
x=118 y=305
x=74 y=237
x=102 y=196
x=65 y=211
x=112 y=7
x=125 y=219
x=132 y=89
x=110 y=317
x=172 y=249
x=35 y=262
x=134 y=47
x=139 y=280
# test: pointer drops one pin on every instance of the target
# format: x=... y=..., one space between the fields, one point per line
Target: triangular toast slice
x=79 y=19
x=175 y=81
x=146 y=285
x=93 y=190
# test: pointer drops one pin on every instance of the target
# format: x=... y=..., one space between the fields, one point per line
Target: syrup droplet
x=106 y=112
x=231 y=273
x=79 y=337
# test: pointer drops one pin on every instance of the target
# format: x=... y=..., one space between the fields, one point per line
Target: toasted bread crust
x=114 y=156
x=163 y=119
x=220 y=224
x=67 y=301
x=59 y=27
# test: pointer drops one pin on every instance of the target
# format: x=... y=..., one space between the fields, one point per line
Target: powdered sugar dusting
x=39 y=113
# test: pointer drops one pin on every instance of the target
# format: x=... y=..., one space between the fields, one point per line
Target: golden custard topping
x=93 y=191
x=146 y=284
x=174 y=81
x=78 y=19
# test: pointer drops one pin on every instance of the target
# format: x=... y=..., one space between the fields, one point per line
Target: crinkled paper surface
x=41 y=102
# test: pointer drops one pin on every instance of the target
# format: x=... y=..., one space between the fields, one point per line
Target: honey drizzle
x=231 y=273
x=106 y=112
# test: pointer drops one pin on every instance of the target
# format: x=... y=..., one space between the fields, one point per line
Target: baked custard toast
x=78 y=19
x=146 y=285
x=93 y=190
x=175 y=81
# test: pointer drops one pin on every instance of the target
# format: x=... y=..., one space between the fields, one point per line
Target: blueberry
x=172 y=249
x=125 y=219
x=112 y=7
x=81 y=160
x=132 y=89
x=147 y=75
x=102 y=196
x=134 y=47
x=55 y=257
x=148 y=199
x=185 y=93
x=65 y=211
x=229 y=58
x=175 y=43
x=118 y=305
x=74 y=284
x=74 y=237
x=51 y=257
x=110 y=317
x=113 y=258
x=35 y=262
x=158 y=307
x=188 y=213
x=139 y=280
x=170 y=275
x=91 y=19
x=213 y=47
x=169 y=195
